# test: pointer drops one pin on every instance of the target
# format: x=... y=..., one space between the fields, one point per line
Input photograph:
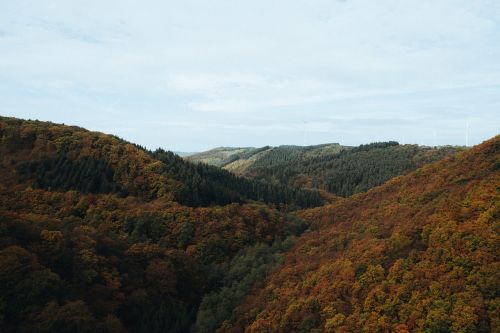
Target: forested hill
x=101 y=235
x=94 y=236
x=340 y=170
x=57 y=157
x=417 y=254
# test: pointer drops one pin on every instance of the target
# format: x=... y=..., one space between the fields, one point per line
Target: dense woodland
x=205 y=185
x=76 y=159
x=418 y=254
x=340 y=170
x=100 y=235
x=96 y=236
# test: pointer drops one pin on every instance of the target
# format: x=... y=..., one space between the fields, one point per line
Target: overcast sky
x=192 y=75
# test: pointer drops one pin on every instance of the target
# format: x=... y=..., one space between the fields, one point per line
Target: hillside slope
x=94 y=236
x=223 y=156
x=417 y=254
x=60 y=157
x=340 y=170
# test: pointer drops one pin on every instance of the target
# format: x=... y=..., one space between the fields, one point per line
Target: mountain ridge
x=101 y=235
x=94 y=236
x=403 y=257
x=74 y=155
x=339 y=170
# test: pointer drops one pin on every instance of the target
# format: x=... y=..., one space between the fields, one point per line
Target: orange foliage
x=418 y=254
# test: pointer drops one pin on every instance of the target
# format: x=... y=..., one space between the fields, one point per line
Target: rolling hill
x=100 y=235
x=340 y=170
x=67 y=157
x=417 y=254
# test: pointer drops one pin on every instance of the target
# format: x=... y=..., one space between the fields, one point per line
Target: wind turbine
x=466 y=133
x=305 y=133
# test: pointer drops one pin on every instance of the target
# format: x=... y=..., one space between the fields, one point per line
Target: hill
x=66 y=157
x=340 y=170
x=417 y=254
x=100 y=235
x=223 y=156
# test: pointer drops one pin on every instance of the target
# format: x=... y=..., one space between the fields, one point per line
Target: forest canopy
x=339 y=170
x=101 y=235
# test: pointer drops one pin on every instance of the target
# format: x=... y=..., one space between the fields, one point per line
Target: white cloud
x=233 y=65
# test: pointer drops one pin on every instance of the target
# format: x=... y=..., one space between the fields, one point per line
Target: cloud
x=225 y=66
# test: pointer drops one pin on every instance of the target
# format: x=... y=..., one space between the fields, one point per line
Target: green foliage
x=437 y=319
x=165 y=317
x=340 y=170
x=62 y=158
x=144 y=227
x=71 y=317
x=205 y=185
x=24 y=283
x=248 y=267
x=87 y=174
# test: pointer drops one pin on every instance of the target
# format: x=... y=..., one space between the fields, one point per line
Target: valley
x=98 y=234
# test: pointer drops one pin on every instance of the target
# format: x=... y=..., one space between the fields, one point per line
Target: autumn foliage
x=92 y=238
x=100 y=235
x=418 y=254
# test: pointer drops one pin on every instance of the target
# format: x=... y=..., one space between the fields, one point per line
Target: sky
x=192 y=75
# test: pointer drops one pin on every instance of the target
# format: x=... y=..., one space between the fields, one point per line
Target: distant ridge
x=417 y=254
x=340 y=170
x=184 y=153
